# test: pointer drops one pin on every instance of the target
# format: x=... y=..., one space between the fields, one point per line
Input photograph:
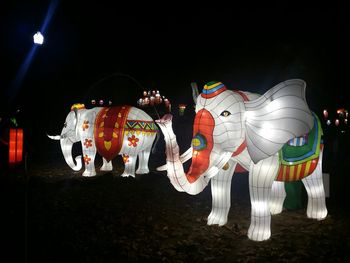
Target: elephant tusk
x=56 y=137
x=183 y=158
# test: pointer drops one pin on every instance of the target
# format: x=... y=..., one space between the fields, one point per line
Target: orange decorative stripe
x=243 y=95
x=289 y=173
x=213 y=94
x=240 y=148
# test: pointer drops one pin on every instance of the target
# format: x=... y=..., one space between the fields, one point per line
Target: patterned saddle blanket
x=299 y=156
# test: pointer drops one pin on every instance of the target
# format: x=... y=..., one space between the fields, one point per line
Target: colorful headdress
x=213 y=88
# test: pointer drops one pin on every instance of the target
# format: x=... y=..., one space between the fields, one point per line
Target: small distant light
x=336 y=122
x=38 y=38
x=328 y=122
x=325 y=113
x=93 y=102
x=101 y=102
x=110 y=102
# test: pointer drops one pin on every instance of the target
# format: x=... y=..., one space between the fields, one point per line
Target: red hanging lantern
x=15 y=146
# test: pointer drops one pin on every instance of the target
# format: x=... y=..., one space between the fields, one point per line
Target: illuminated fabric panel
x=15 y=146
x=109 y=130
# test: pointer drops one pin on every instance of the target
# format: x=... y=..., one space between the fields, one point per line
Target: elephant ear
x=276 y=117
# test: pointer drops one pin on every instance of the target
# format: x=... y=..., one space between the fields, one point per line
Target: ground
x=52 y=214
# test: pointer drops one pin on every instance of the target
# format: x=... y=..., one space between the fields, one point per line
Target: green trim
x=211 y=83
x=289 y=151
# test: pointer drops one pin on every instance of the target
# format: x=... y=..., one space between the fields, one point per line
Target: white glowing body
x=81 y=129
x=265 y=123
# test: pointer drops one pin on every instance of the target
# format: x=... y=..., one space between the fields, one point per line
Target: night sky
x=165 y=49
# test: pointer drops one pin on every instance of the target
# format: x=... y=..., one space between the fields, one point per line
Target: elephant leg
x=316 y=204
x=106 y=166
x=130 y=163
x=221 y=195
x=261 y=177
x=89 y=153
x=143 y=161
x=278 y=194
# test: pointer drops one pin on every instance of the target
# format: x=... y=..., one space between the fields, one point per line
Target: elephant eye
x=65 y=125
x=225 y=113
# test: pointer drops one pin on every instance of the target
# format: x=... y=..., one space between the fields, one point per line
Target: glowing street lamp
x=38 y=38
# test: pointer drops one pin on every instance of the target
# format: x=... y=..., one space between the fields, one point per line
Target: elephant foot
x=142 y=171
x=127 y=175
x=106 y=168
x=259 y=232
x=276 y=209
x=216 y=218
x=318 y=214
x=89 y=174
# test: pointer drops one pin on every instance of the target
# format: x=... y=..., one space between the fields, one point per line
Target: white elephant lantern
x=110 y=131
x=275 y=137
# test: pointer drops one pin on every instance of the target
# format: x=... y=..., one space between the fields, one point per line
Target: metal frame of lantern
x=15 y=146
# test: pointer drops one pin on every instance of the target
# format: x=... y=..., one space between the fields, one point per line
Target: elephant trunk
x=66 y=147
x=190 y=183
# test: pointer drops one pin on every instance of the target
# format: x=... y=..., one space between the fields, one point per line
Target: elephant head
x=69 y=136
x=227 y=122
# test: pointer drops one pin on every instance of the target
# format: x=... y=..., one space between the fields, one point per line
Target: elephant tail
x=155 y=143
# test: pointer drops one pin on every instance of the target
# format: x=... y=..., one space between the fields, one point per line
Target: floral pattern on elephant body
x=87 y=159
x=133 y=141
x=88 y=143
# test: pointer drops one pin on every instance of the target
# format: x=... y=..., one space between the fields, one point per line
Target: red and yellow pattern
x=288 y=173
x=295 y=172
x=109 y=130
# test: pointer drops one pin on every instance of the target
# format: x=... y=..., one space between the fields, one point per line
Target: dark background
x=96 y=50
x=90 y=50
